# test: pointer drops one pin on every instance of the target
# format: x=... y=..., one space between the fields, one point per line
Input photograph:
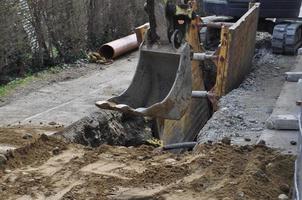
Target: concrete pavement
x=69 y=101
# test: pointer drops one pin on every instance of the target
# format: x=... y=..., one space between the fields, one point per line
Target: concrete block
x=283 y=122
x=293 y=76
x=299 y=93
x=300 y=51
x=280 y=140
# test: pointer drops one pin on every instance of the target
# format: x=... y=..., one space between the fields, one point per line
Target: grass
x=11 y=86
x=19 y=82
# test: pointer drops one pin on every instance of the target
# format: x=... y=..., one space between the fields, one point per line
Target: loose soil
x=53 y=169
x=20 y=136
x=108 y=127
x=49 y=168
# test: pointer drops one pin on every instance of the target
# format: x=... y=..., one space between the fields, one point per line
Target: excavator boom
x=169 y=82
x=162 y=84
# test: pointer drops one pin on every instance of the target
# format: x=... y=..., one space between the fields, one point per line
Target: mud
x=108 y=127
x=77 y=172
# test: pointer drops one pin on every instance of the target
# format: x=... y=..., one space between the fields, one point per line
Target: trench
x=241 y=115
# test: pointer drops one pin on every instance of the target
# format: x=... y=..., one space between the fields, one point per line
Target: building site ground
x=40 y=166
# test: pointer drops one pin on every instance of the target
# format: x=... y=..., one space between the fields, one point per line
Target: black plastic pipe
x=184 y=145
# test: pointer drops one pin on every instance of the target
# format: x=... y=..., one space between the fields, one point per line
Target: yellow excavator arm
x=166 y=75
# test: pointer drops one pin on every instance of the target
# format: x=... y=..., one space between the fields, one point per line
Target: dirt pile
x=214 y=172
x=35 y=153
x=108 y=127
x=19 y=136
x=246 y=172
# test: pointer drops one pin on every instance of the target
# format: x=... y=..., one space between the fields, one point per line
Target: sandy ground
x=43 y=167
x=51 y=169
x=69 y=96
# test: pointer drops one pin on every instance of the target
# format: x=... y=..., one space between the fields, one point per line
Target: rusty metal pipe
x=119 y=47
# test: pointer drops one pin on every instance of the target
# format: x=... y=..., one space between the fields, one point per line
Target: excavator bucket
x=161 y=87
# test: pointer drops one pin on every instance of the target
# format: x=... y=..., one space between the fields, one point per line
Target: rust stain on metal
x=198 y=113
x=221 y=62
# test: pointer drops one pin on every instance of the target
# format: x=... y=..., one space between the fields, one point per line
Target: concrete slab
x=285 y=116
x=281 y=140
x=286 y=111
x=286 y=102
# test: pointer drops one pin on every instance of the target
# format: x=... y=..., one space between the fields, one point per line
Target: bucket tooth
x=161 y=87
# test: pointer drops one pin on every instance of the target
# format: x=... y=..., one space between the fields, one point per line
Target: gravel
x=244 y=111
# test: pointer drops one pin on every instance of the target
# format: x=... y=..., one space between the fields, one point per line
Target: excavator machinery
x=164 y=63
x=169 y=85
x=166 y=76
x=278 y=17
